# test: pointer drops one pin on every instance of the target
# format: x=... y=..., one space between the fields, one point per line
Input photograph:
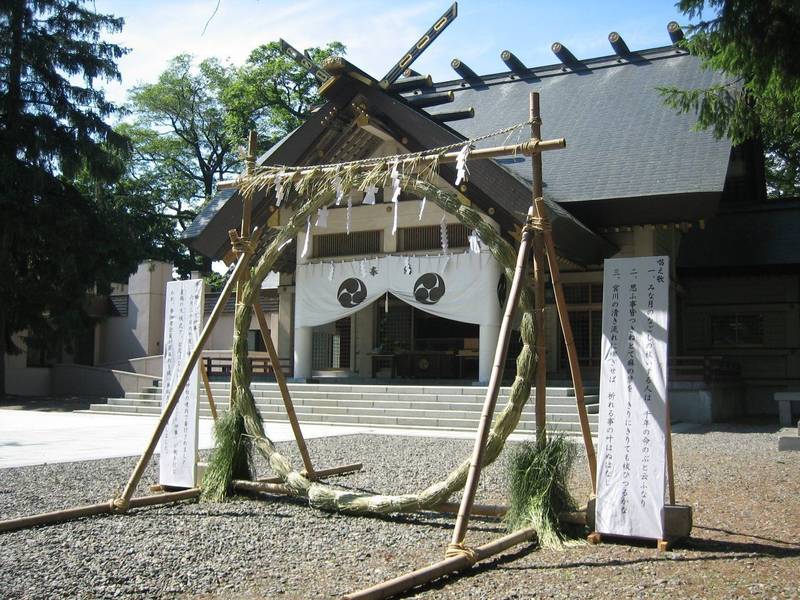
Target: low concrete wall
x=145 y=365
x=28 y=381
x=698 y=402
x=80 y=380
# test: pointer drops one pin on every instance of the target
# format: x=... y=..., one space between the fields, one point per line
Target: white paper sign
x=633 y=397
x=183 y=322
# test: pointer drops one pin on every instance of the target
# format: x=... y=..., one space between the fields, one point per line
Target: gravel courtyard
x=746 y=539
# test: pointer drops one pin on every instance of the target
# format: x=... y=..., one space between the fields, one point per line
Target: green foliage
x=189 y=122
x=271 y=93
x=56 y=241
x=538 y=478
x=753 y=43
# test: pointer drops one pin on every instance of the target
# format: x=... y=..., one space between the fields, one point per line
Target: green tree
x=754 y=44
x=56 y=242
x=189 y=124
x=271 y=93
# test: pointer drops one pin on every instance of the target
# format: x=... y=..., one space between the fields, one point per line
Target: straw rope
x=246 y=420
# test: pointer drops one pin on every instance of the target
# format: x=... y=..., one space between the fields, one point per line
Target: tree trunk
x=2 y=354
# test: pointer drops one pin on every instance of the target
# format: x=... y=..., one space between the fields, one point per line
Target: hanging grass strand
x=538 y=488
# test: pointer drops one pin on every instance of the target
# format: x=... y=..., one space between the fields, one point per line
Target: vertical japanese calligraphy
x=633 y=396
x=183 y=322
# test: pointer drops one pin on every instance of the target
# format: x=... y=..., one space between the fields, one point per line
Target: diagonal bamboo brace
x=460 y=530
x=281 y=380
x=122 y=502
x=569 y=342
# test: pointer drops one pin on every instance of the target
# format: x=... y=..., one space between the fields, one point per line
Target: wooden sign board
x=183 y=322
x=631 y=472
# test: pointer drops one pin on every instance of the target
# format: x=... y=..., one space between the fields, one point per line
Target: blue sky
x=378 y=33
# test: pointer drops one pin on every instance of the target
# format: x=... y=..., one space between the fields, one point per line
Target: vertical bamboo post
x=244 y=233
x=207 y=385
x=540 y=404
x=566 y=328
x=122 y=502
x=280 y=378
x=670 y=467
x=467 y=500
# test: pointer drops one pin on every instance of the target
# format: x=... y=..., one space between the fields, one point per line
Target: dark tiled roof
x=207 y=213
x=757 y=235
x=622 y=141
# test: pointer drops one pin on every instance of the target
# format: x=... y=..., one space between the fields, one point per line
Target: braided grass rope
x=242 y=428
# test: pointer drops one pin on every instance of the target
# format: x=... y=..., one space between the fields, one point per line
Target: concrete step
x=343 y=406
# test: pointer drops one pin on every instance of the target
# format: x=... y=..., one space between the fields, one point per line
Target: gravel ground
x=745 y=496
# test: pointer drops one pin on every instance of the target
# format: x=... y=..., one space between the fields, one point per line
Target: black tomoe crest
x=429 y=288
x=352 y=292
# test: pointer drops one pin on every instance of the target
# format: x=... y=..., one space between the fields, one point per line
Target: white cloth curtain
x=461 y=287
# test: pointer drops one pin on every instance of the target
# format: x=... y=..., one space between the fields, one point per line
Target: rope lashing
x=540 y=224
x=119 y=505
x=239 y=244
x=455 y=550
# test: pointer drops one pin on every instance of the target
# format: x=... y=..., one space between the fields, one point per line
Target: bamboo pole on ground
x=460 y=529
x=122 y=502
x=569 y=342
x=281 y=380
x=529 y=148
x=540 y=405
x=70 y=514
x=443 y=567
x=207 y=385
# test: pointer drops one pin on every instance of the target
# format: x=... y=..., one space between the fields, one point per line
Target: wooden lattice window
x=428 y=237
x=342 y=244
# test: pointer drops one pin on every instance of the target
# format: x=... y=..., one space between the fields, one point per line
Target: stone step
x=558 y=404
x=555 y=423
x=356 y=396
x=223 y=387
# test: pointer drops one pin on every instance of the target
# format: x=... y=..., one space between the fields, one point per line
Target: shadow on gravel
x=744 y=425
x=748 y=535
x=744 y=548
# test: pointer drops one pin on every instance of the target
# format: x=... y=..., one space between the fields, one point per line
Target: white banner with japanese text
x=183 y=321
x=631 y=472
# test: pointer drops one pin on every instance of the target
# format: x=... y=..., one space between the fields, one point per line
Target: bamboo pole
x=207 y=385
x=244 y=233
x=320 y=473
x=529 y=148
x=569 y=342
x=70 y=514
x=122 y=502
x=443 y=567
x=281 y=380
x=540 y=406
x=260 y=486
x=460 y=529
x=670 y=466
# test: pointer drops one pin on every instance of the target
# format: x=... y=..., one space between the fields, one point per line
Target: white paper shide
x=631 y=469
x=183 y=322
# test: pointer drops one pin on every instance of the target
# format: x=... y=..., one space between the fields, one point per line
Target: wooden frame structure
x=535 y=234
